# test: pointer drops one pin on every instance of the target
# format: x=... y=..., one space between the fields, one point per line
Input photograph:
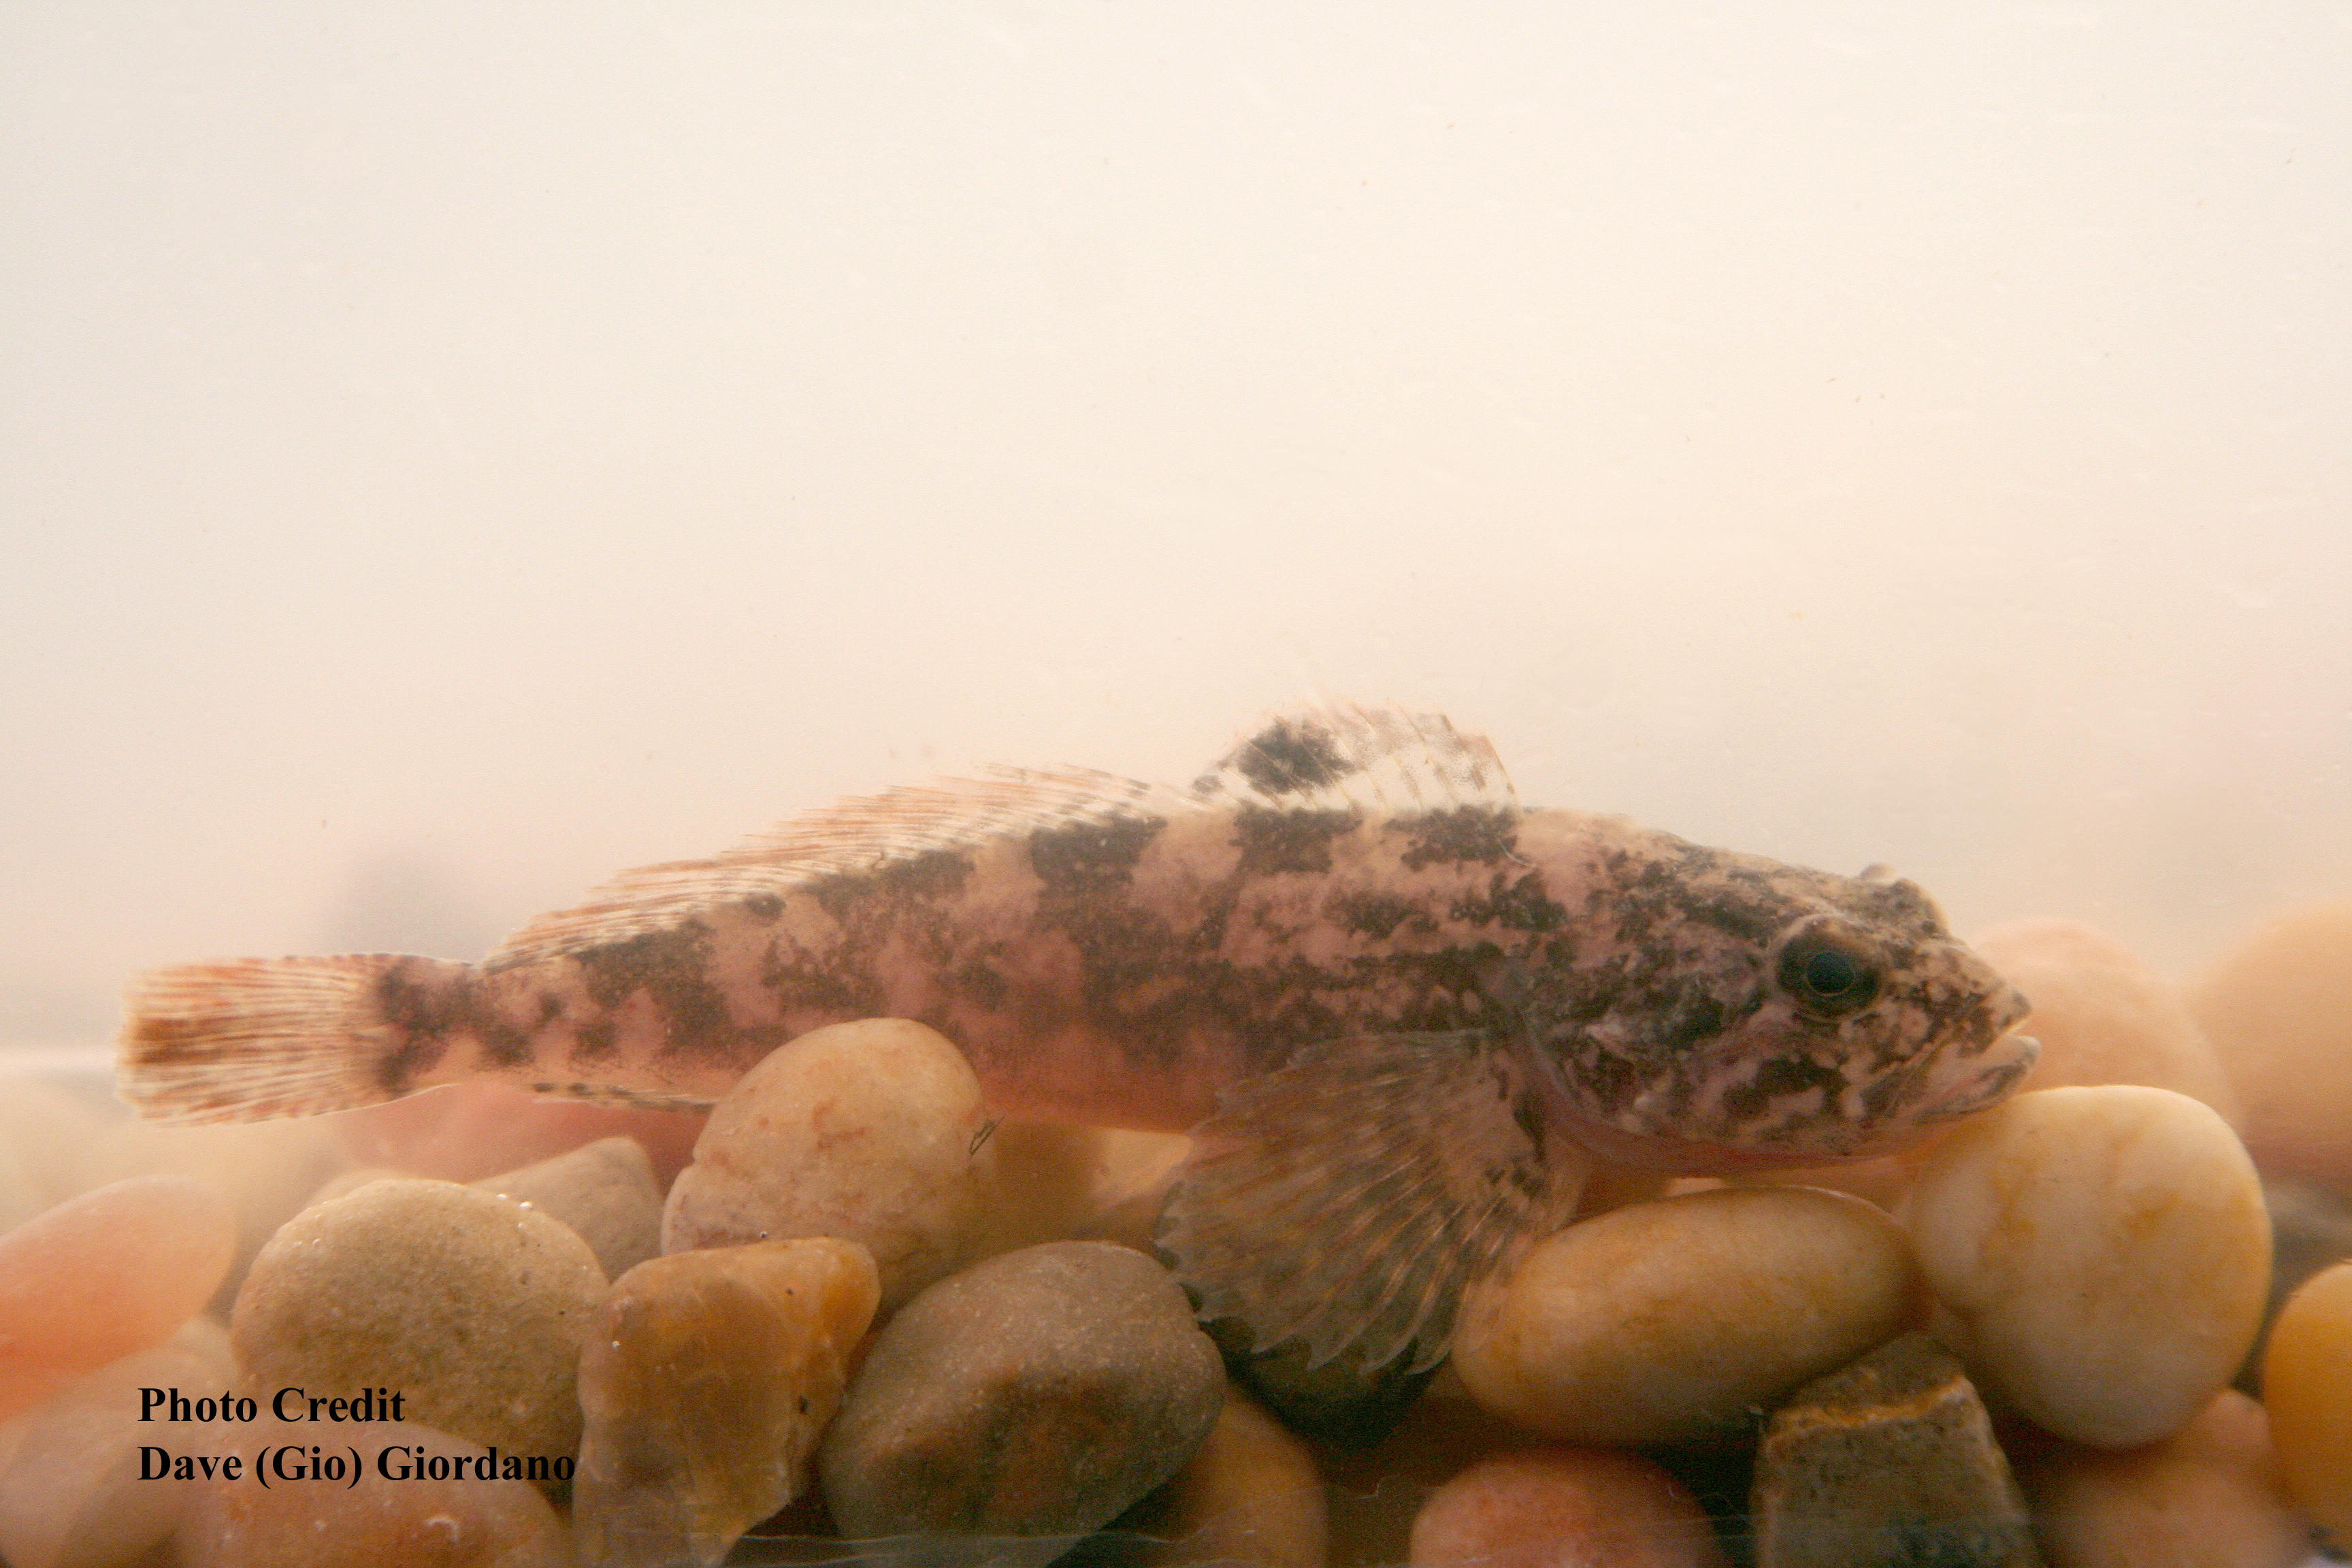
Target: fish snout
x=1998 y=1075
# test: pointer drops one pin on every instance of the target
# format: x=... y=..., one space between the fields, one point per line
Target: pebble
x=706 y=1380
x=2274 y=1010
x=2207 y=1497
x=603 y=1190
x=104 y=1275
x=70 y=1492
x=465 y=1131
x=2101 y=1014
x=472 y=1306
x=1041 y=1393
x=1249 y=1494
x=1666 y=1321
x=1890 y=1459
x=2307 y=1388
x=1563 y=1508
x=2098 y=1257
x=416 y=1523
x=871 y=1131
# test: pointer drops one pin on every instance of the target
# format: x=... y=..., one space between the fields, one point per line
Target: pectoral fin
x=1346 y=1202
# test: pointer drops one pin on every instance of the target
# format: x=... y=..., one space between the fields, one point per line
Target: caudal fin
x=248 y=1038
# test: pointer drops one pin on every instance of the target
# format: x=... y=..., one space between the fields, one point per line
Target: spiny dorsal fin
x=1349 y=1198
x=1379 y=761
x=860 y=834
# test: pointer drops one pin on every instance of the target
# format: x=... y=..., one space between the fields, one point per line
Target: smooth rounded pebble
x=603 y=1190
x=1563 y=1508
x=1040 y=1393
x=70 y=1491
x=1250 y=1493
x=2099 y=1257
x=1661 y=1322
x=870 y=1131
x=2274 y=1010
x=2307 y=1388
x=2101 y=1014
x=104 y=1275
x=704 y=1382
x=415 y=1523
x=471 y=1306
x=2207 y=1497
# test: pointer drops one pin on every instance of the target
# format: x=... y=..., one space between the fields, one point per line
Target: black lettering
x=384 y=1464
x=156 y=1467
x=278 y=1405
x=231 y=1465
x=538 y=1471
x=179 y=1410
x=206 y=1410
x=563 y=1467
x=148 y=1399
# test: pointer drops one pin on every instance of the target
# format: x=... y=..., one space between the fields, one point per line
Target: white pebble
x=2099 y=1255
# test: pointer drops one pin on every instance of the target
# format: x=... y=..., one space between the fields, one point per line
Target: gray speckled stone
x=1040 y=1393
x=1890 y=1460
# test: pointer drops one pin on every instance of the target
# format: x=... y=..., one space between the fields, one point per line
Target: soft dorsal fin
x=1379 y=761
x=859 y=833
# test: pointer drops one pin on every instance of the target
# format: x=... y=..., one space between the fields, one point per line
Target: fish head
x=1727 y=1012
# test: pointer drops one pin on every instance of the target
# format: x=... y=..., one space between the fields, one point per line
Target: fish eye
x=1826 y=975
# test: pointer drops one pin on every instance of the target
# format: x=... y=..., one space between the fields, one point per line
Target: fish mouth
x=1986 y=1087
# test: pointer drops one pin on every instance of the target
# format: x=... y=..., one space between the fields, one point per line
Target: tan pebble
x=603 y=1190
x=869 y=1132
x=415 y=1523
x=2307 y=1388
x=2275 y=1011
x=1889 y=1459
x=104 y=1275
x=464 y=1131
x=2101 y=1014
x=1665 y=1322
x=2207 y=1497
x=705 y=1382
x=71 y=1495
x=2099 y=1257
x=1249 y=1494
x=471 y=1306
x=1563 y=1508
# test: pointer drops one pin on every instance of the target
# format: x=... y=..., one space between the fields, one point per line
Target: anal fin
x=1346 y=1202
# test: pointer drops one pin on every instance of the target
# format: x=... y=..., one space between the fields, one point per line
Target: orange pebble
x=1564 y=1508
x=2307 y=1386
x=104 y=1275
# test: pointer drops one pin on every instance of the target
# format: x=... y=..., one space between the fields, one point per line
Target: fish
x=1404 y=1016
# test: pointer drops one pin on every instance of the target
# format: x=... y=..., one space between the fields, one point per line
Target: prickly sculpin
x=1402 y=1012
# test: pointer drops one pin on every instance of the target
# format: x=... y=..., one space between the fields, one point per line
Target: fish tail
x=250 y=1038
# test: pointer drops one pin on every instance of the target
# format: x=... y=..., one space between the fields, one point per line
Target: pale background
x=449 y=453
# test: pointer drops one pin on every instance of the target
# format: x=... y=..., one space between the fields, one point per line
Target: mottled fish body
x=1389 y=996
